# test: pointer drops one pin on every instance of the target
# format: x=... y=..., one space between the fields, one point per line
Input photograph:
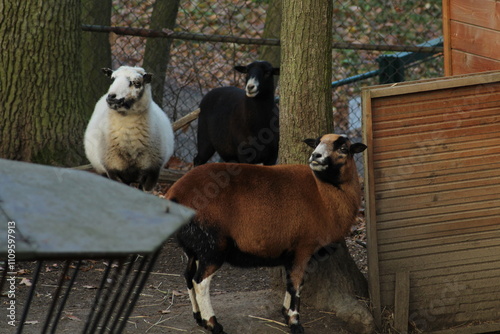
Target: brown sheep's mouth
x=317 y=165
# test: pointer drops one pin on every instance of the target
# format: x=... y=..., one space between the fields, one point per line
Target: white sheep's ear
x=311 y=142
x=147 y=78
x=241 y=69
x=357 y=148
x=276 y=71
x=107 y=71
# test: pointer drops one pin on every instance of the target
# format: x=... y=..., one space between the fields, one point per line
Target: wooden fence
x=471 y=30
x=433 y=202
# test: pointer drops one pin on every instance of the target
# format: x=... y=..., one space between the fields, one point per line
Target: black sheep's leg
x=205 y=152
x=204 y=144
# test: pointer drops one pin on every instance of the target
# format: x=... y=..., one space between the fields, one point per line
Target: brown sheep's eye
x=344 y=150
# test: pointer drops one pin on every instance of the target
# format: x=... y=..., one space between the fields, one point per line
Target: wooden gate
x=433 y=202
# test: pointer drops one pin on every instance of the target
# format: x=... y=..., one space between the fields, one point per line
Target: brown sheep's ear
x=311 y=142
x=147 y=78
x=276 y=71
x=357 y=148
x=241 y=69
x=107 y=71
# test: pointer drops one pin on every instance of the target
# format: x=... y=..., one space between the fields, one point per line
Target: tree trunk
x=157 y=54
x=332 y=280
x=305 y=103
x=41 y=116
x=272 y=29
x=95 y=84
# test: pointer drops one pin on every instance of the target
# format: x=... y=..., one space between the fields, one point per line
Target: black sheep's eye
x=137 y=84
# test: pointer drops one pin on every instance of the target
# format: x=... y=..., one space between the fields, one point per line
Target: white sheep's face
x=127 y=88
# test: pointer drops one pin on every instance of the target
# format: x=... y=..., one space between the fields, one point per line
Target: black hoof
x=218 y=329
x=296 y=329
x=197 y=317
x=213 y=326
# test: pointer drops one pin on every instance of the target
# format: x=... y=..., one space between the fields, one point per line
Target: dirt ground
x=242 y=298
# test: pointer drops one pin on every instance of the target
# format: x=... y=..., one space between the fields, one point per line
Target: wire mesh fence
x=364 y=30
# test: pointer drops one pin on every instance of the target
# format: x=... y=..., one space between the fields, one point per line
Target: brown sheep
x=250 y=215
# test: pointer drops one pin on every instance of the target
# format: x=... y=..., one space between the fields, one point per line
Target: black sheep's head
x=259 y=77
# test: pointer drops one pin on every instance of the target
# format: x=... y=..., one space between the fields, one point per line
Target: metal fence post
x=391 y=69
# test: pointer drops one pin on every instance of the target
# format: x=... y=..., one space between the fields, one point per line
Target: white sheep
x=129 y=138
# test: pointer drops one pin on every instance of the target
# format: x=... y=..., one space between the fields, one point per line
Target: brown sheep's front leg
x=291 y=304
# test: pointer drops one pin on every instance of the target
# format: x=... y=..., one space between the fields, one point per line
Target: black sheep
x=241 y=125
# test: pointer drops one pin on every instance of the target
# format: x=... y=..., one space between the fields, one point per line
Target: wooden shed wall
x=471 y=30
x=433 y=200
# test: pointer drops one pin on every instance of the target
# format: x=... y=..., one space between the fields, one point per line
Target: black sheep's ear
x=357 y=148
x=276 y=71
x=311 y=142
x=241 y=69
x=147 y=78
x=107 y=71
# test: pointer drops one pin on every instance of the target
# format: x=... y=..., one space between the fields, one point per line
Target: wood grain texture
x=471 y=31
x=433 y=198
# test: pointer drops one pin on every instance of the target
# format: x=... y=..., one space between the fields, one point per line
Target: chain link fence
x=365 y=32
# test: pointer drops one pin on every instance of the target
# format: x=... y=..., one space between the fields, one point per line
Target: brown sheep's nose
x=316 y=155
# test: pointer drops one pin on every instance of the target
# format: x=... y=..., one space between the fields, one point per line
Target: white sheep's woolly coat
x=140 y=136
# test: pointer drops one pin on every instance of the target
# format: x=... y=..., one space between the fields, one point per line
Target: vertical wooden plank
x=447 y=38
x=373 y=265
x=402 y=301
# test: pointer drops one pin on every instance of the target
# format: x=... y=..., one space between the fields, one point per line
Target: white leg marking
x=202 y=291
x=192 y=298
x=287 y=301
x=293 y=317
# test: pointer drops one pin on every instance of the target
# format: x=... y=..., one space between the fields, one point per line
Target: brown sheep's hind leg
x=189 y=275
x=201 y=282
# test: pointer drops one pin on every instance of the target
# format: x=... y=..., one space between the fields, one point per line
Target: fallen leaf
x=89 y=287
x=26 y=282
x=72 y=317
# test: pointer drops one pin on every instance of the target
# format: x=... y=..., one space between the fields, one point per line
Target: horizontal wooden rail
x=167 y=33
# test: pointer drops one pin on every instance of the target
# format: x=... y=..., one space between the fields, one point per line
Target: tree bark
x=157 y=54
x=95 y=84
x=333 y=279
x=305 y=103
x=272 y=29
x=41 y=115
